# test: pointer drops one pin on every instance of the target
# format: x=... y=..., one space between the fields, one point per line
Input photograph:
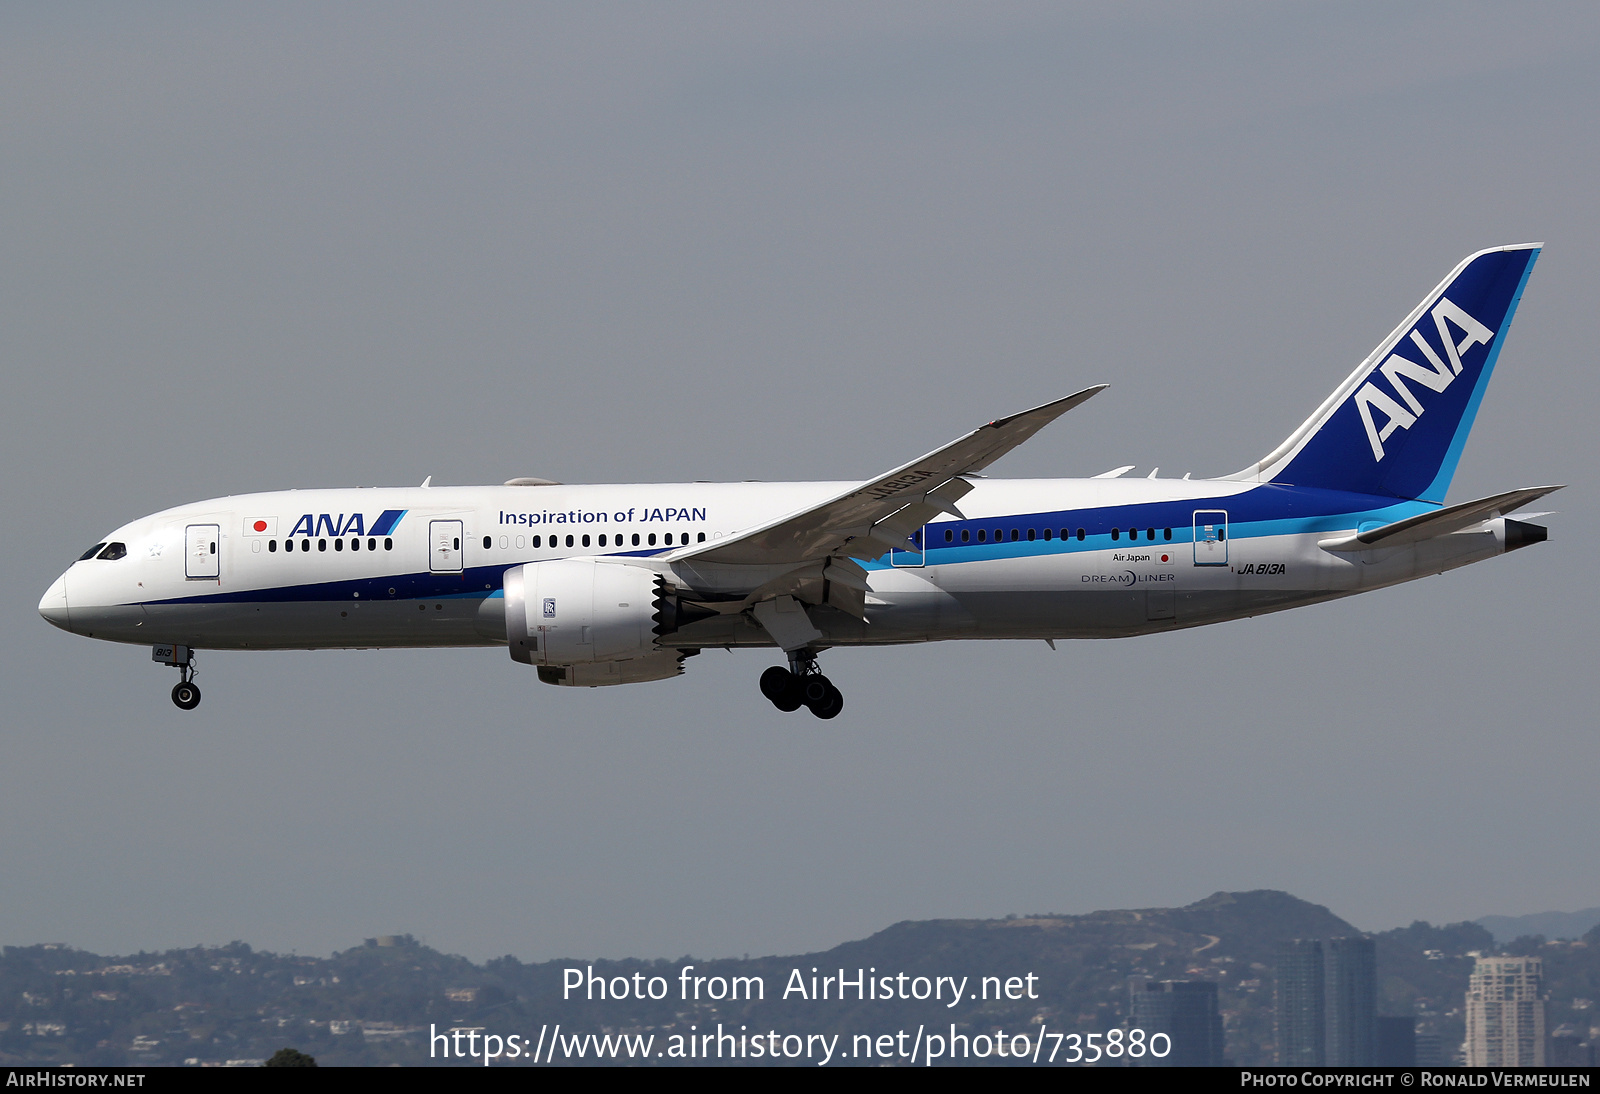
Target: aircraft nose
x=53 y=605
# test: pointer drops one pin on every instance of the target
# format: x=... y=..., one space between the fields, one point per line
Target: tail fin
x=1397 y=425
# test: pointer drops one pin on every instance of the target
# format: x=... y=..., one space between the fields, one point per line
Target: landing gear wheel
x=782 y=688
x=822 y=697
x=815 y=689
x=186 y=695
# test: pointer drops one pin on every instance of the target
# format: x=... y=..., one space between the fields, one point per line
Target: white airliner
x=618 y=584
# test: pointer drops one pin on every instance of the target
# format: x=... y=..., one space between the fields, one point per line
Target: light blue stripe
x=1440 y=485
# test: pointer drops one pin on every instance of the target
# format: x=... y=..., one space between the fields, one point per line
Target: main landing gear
x=802 y=685
x=186 y=694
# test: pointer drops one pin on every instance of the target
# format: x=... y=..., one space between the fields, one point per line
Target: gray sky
x=249 y=248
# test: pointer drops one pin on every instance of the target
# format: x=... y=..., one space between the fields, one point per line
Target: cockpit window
x=90 y=553
x=113 y=552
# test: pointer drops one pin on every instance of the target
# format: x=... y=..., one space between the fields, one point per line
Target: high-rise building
x=1397 y=1042
x=1430 y=1048
x=1301 y=1032
x=1187 y=1012
x=1505 y=1013
x=1352 y=1002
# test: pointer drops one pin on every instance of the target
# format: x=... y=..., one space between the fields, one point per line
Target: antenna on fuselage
x=427 y=481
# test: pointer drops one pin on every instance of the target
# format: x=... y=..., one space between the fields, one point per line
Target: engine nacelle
x=578 y=611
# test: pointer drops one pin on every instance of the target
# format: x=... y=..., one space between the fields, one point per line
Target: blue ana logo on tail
x=1401 y=420
x=1434 y=375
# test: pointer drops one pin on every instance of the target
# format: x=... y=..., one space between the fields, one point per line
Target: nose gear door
x=200 y=557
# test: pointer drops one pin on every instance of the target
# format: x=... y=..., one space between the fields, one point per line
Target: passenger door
x=1211 y=537
x=200 y=557
x=444 y=546
x=910 y=558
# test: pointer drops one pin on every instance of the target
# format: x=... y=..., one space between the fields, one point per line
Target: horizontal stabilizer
x=1440 y=522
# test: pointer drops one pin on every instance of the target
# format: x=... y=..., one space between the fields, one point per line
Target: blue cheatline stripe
x=1440 y=485
x=1267 y=510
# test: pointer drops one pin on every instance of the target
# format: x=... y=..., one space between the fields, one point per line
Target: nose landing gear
x=185 y=694
x=801 y=685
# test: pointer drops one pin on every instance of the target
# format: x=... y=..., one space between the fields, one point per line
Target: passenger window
x=1222 y=534
x=1166 y=533
x=272 y=546
x=949 y=535
x=536 y=540
x=1150 y=533
x=652 y=539
x=1031 y=535
x=569 y=541
x=636 y=539
x=487 y=543
x=983 y=535
x=90 y=553
x=322 y=545
x=999 y=535
x=115 y=551
x=1080 y=535
x=372 y=545
x=338 y=545
x=586 y=540
x=1048 y=532
x=355 y=544
x=1013 y=535
x=1115 y=535
x=388 y=543
x=455 y=544
x=305 y=545
x=966 y=535
x=701 y=538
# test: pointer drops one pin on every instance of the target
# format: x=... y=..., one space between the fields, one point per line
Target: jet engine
x=582 y=611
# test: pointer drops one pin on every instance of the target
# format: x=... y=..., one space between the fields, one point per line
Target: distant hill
x=1505 y=928
x=376 y=1003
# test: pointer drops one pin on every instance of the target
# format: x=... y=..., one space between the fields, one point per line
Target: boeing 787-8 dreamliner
x=618 y=584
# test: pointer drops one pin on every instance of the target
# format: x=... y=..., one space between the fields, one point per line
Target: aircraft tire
x=782 y=688
x=831 y=705
x=815 y=690
x=186 y=695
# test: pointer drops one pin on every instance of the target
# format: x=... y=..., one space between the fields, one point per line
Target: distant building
x=1352 y=1002
x=1186 y=1011
x=1430 y=1048
x=1302 y=1036
x=1505 y=1013
x=1396 y=1042
x=1568 y=1049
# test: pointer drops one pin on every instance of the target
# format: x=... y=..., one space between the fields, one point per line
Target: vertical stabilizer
x=1397 y=425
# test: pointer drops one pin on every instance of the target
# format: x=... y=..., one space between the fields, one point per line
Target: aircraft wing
x=866 y=520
